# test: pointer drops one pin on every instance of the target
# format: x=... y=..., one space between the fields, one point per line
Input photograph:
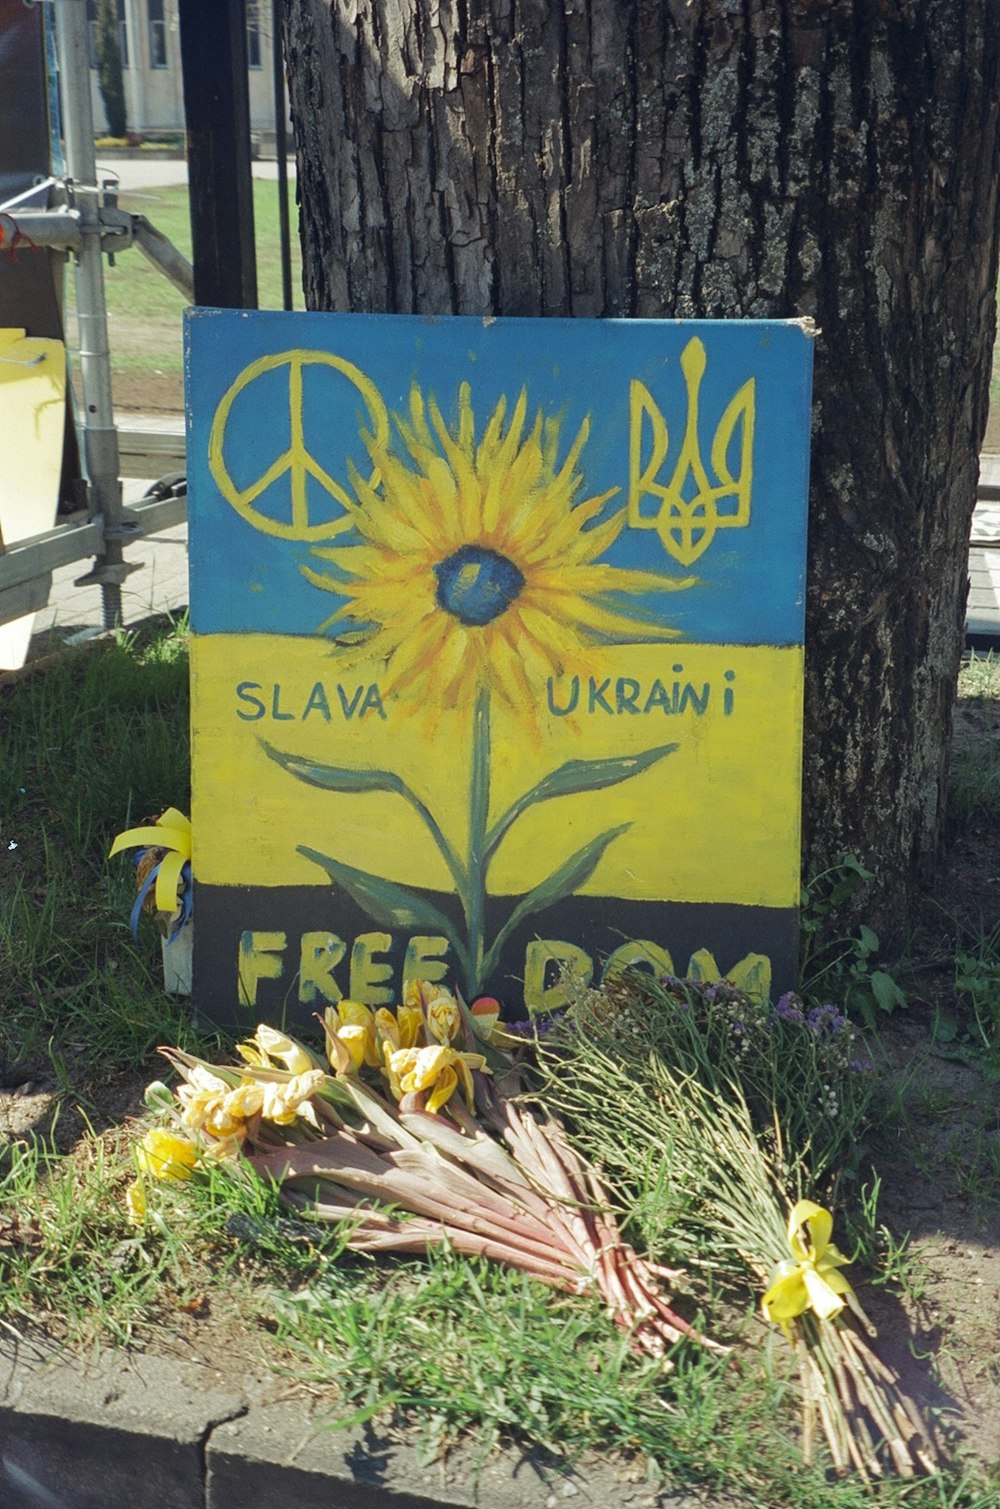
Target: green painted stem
x=433 y=827
x=479 y=807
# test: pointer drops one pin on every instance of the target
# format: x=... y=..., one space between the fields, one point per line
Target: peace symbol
x=296 y=460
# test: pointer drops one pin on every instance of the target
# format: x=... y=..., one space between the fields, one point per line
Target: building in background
x=151 y=64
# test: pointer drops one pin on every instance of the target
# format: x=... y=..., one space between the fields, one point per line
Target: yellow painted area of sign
x=715 y=820
x=32 y=424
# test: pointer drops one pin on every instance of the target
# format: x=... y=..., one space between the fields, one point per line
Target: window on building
x=123 y=33
x=253 y=33
x=92 y=33
x=157 y=35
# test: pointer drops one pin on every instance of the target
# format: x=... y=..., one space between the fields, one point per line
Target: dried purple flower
x=822 y=1017
x=786 y=1009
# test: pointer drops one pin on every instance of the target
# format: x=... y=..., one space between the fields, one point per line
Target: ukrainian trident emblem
x=697 y=501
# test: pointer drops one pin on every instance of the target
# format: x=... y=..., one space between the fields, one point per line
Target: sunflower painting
x=496 y=653
x=479 y=565
x=476 y=574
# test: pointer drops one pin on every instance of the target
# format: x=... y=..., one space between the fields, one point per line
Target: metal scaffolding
x=84 y=219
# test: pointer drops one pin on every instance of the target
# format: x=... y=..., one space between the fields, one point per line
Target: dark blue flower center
x=476 y=585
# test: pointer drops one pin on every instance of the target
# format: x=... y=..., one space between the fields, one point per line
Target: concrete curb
x=134 y=1431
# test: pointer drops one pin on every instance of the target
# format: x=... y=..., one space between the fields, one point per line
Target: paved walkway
x=151 y=172
x=131 y=1430
x=161 y=586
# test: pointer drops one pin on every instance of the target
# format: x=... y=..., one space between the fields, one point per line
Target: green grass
x=472 y=1348
x=145 y=310
x=462 y=1350
x=69 y=1261
x=90 y=746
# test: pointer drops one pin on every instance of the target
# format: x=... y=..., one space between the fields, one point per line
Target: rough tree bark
x=716 y=158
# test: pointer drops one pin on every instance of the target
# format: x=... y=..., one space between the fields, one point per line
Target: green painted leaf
x=592 y=775
x=334 y=777
x=569 y=877
x=387 y=903
x=577 y=776
x=341 y=778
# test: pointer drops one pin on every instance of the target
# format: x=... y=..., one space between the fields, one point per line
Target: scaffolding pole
x=100 y=438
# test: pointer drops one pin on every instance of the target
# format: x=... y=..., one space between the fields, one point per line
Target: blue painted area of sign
x=286 y=425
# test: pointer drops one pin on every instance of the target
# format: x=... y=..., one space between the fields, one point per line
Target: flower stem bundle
x=415 y=1168
x=633 y=1111
x=532 y=1204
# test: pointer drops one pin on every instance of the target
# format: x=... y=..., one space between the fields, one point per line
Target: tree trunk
x=716 y=158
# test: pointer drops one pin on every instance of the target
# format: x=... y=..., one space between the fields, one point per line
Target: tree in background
x=716 y=159
x=110 y=74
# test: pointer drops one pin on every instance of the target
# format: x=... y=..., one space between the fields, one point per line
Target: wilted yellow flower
x=392 y=1058
x=411 y=1025
x=351 y=1037
x=135 y=1203
x=413 y=994
x=289 y=1101
x=437 y=1068
x=205 y=1110
x=353 y=1014
x=270 y=1049
x=387 y=1030
x=341 y=1061
x=165 y=1155
x=354 y=1039
x=443 y=1017
x=224 y=1149
x=246 y=1100
x=252 y=1055
x=198 y=1078
x=402 y=1028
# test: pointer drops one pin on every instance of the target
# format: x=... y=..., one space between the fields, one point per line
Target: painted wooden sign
x=497 y=653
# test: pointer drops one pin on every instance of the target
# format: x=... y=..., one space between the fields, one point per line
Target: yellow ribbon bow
x=811 y=1281
x=172 y=832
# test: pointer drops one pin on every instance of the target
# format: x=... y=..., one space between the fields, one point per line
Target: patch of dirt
x=148 y=392
x=940 y=1200
x=939 y=1156
x=34 y=1104
x=143 y=391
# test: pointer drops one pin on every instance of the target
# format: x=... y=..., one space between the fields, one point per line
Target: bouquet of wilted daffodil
x=715 y=1117
x=410 y=1142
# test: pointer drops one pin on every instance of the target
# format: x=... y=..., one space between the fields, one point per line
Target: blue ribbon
x=184 y=898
